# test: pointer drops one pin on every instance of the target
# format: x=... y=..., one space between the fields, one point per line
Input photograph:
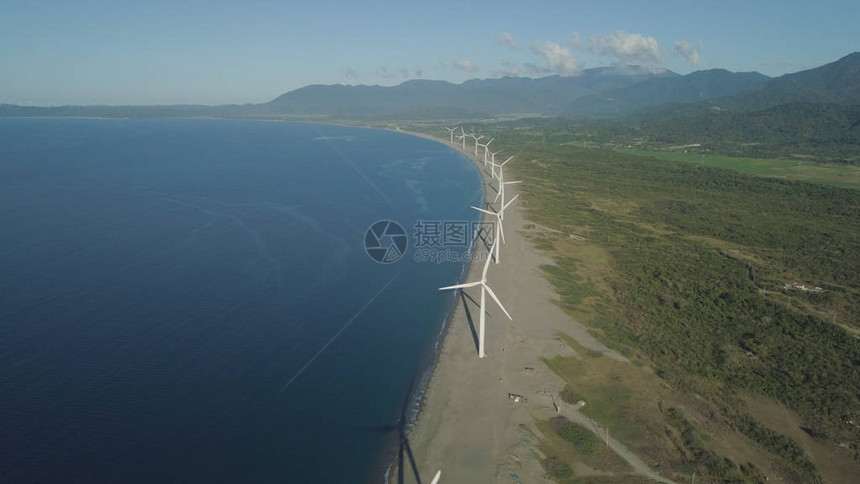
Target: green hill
x=474 y=98
x=837 y=82
x=691 y=88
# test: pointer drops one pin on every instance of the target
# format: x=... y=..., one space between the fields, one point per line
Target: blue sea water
x=163 y=283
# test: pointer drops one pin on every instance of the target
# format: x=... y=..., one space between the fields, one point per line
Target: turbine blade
x=485 y=211
x=512 y=182
x=511 y=201
x=502 y=230
x=487 y=263
x=436 y=477
x=460 y=286
x=509 y=159
x=493 y=295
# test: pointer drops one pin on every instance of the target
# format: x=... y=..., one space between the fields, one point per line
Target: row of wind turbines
x=496 y=173
x=494 y=253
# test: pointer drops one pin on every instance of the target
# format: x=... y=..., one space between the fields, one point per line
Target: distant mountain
x=474 y=98
x=837 y=82
x=599 y=92
x=691 y=88
x=477 y=98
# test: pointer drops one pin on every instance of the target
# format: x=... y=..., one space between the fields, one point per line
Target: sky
x=216 y=52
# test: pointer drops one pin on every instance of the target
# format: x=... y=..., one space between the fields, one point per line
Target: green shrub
x=583 y=440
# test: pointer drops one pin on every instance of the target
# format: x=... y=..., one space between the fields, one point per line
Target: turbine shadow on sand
x=463 y=297
x=404 y=449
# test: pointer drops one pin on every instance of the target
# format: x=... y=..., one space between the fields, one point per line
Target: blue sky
x=213 y=52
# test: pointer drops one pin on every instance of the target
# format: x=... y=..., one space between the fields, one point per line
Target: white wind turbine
x=499 y=166
x=500 y=230
x=478 y=138
x=484 y=289
x=501 y=191
x=451 y=130
x=493 y=157
x=463 y=137
x=486 y=150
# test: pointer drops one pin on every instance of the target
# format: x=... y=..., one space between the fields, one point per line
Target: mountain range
x=476 y=98
x=598 y=92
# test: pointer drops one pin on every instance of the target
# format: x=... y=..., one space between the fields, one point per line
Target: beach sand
x=467 y=427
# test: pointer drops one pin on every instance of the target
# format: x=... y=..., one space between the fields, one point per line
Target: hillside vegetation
x=818 y=132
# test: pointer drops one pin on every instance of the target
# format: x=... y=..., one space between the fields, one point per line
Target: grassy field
x=846 y=176
x=682 y=268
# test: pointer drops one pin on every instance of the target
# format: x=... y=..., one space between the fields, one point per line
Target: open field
x=846 y=176
x=682 y=268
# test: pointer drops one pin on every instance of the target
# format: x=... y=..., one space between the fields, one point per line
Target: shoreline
x=465 y=425
x=428 y=373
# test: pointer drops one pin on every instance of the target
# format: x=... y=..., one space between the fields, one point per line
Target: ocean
x=192 y=300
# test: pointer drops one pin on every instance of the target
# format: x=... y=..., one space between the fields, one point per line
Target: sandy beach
x=467 y=427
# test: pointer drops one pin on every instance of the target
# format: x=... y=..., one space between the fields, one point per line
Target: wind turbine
x=486 y=149
x=476 y=144
x=501 y=192
x=493 y=156
x=462 y=137
x=499 y=166
x=500 y=231
x=451 y=130
x=484 y=289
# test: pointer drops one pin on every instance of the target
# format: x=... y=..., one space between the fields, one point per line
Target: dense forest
x=828 y=132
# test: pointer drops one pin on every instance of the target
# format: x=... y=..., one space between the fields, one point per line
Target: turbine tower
x=493 y=156
x=500 y=230
x=484 y=289
x=499 y=166
x=451 y=130
x=478 y=138
x=501 y=191
x=486 y=150
x=462 y=137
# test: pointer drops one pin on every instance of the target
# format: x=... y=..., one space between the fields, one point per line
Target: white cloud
x=559 y=58
x=507 y=39
x=350 y=73
x=689 y=51
x=626 y=46
x=575 y=41
x=465 y=65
